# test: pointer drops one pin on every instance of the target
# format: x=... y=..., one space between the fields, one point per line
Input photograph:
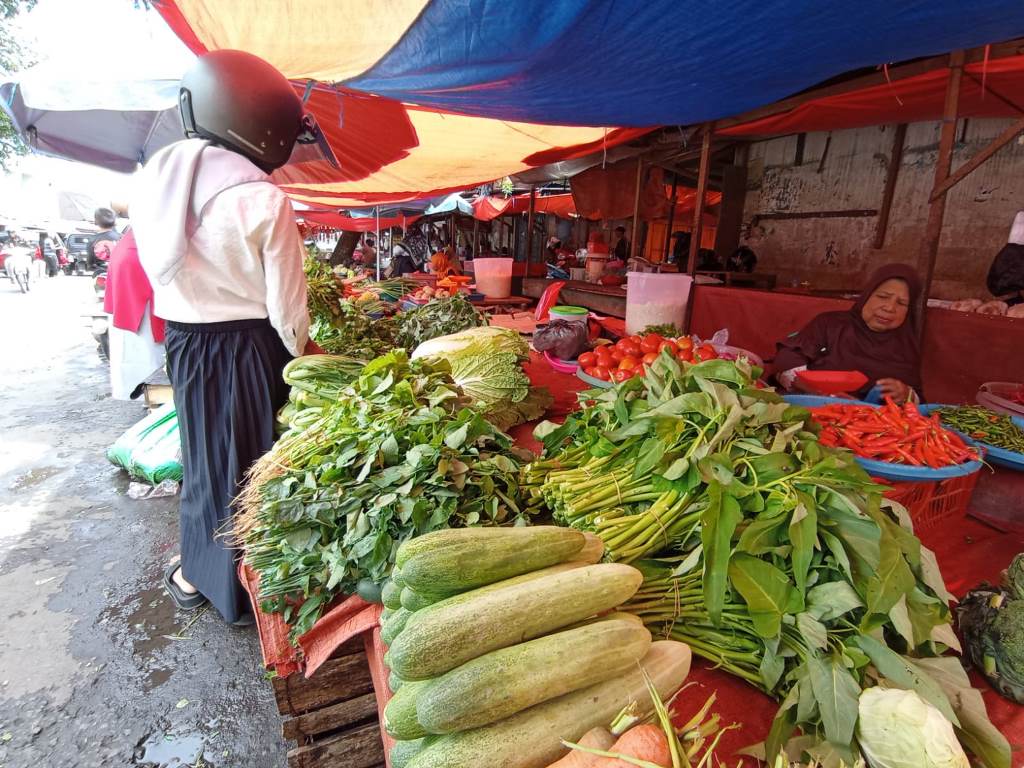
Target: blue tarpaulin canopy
x=590 y=62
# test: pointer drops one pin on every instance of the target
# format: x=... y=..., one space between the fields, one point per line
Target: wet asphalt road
x=97 y=668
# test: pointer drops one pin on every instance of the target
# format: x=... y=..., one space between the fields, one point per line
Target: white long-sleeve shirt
x=243 y=262
x=218 y=241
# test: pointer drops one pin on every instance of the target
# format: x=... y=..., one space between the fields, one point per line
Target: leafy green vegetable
x=778 y=563
x=991 y=620
x=439 y=317
x=487 y=364
x=398 y=454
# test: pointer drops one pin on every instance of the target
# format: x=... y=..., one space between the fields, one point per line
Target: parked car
x=78 y=253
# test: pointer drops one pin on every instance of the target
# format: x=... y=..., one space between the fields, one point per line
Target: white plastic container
x=656 y=299
x=493 y=277
x=595 y=266
x=569 y=314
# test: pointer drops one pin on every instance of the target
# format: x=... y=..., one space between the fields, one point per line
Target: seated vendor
x=879 y=336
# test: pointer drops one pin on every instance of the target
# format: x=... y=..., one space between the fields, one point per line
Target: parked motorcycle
x=100 y=319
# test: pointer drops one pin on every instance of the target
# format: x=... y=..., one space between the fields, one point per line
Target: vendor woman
x=219 y=243
x=879 y=336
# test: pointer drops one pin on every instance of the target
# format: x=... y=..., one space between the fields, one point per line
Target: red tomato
x=587 y=360
x=705 y=352
x=684 y=342
x=617 y=355
x=588 y=369
x=602 y=373
x=652 y=342
x=670 y=345
x=621 y=375
x=650 y=357
x=628 y=363
x=639 y=371
x=636 y=338
x=603 y=356
x=685 y=355
x=629 y=347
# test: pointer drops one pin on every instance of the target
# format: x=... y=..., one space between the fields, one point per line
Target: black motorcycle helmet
x=241 y=102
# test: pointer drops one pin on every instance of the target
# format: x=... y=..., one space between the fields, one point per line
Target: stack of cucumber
x=504 y=641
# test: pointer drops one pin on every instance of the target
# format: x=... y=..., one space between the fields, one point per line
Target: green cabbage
x=486 y=363
x=899 y=729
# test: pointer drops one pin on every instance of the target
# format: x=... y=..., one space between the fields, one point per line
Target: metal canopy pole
x=671 y=217
x=529 y=228
x=698 y=220
x=943 y=163
x=376 y=210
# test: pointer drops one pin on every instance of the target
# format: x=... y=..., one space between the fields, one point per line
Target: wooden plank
x=359 y=748
x=734 y=196
x=786 y=215
x=331 y=718
x=944 y=161
x=702 y=190
x=338 y=679
x=634 y=250
x=891 y=174
x=980 y=157
x=529 y=225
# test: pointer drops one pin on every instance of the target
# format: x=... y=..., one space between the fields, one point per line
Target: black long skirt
x=227 y=389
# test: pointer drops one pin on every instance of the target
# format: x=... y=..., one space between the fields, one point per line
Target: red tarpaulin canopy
x=487 y=208
x=353 y=224
x=908 y=100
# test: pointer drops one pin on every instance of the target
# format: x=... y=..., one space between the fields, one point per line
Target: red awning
x=909 y=100
x=351 y=224
x=487 y=208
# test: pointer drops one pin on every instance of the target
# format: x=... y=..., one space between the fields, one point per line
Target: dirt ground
x=97 y=668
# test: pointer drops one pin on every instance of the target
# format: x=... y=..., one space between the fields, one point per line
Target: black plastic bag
x=564 y=339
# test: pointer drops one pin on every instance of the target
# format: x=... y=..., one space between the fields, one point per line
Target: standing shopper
x=222 y=251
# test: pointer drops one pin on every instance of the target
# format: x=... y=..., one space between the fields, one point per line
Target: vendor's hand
x=895 y=389
x=312 y=348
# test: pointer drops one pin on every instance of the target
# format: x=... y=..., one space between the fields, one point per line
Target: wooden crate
x=333 y=715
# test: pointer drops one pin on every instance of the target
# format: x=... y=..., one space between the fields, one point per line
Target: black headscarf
x=842 y=341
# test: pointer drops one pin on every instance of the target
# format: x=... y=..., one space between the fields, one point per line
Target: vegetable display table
x=334 y=713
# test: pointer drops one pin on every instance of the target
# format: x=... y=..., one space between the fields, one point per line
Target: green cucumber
x=400 y=713
x=396 y=622
x=394 y=682
x=404 y=751
x=368 y=590
x=436 y=640
x=533 y=738
x=413 y=601
x=390 y=595
x=501 y=683
x=476 y=561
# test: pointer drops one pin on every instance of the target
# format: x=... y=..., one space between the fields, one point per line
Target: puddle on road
x=34 y=477
x=170 y=750
x=150 y=620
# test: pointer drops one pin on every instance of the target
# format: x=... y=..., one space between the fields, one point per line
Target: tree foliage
x=13 y=57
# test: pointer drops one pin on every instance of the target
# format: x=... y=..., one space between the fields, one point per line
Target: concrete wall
x=836 y=253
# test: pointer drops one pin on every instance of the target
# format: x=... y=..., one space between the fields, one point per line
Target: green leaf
x=831 y=600
x=903 y=673
x=457 y=437
x=690 y=562
x=900 y=617
x=782 y=726
x=813 y=631
x=676 y=469
x=835 y=546
x=976 y=732
x=718 y=522
x=692 y=402
x=765 y=589
x=651 y=451
x=837 y=692
x=807 y=705
x=803 y=535
x=892 y=581
x=761 y=536
x=932 y=576
x=771 y=668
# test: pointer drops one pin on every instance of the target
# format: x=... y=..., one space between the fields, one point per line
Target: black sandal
x=181 y=598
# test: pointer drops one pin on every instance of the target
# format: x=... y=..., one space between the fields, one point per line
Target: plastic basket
x=933 y=503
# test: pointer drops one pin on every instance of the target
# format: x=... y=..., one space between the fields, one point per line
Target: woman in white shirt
x=220 y=246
